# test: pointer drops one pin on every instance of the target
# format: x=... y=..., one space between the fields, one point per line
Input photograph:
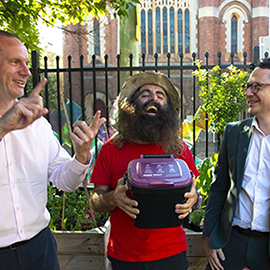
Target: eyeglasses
x=254 y=87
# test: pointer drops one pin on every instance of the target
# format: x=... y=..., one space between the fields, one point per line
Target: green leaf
x=21 y=17
x=222 y=95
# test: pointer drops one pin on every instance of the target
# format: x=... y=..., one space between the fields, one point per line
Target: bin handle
x=157 y=156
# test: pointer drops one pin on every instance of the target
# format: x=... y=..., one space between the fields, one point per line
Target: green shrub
x=206 y=169
x=77 y=216
x=222 y=94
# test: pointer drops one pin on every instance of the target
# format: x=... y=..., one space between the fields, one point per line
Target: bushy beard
x=163 y=128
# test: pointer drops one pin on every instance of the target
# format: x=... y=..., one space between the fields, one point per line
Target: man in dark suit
x=236 y=227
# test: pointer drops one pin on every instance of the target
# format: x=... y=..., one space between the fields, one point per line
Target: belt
x=19 y=244
x=249 y=232
x=15 y=245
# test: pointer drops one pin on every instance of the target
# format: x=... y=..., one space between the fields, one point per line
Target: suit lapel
x=243 y=144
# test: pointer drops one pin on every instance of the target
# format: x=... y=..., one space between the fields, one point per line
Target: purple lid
x=158 y=172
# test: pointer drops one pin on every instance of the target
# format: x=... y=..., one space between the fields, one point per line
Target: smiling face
x=152 y=96
x=14 y=70
x=259 y=103
x=149 y=117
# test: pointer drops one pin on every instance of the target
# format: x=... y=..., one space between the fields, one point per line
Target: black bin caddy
x=158 y=183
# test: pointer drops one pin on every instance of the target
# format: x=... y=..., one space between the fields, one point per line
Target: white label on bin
x=159 y=169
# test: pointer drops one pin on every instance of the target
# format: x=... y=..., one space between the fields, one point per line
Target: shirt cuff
x=78 y=166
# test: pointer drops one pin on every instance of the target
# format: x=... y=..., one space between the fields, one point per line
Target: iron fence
x=102 y=79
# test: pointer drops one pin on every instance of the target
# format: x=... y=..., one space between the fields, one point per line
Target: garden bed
x=81 y=250
x=196 y=251
x=86 y=250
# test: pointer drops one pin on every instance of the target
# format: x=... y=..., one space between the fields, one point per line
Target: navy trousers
x=249 y=251
x=177 y=262
x=39 y=253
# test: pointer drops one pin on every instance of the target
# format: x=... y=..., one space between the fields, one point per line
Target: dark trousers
x=177 y=262
x=39 y=253
x=249 y=251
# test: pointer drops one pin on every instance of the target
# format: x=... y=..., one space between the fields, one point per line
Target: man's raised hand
x=24 y=111
x=83 y=136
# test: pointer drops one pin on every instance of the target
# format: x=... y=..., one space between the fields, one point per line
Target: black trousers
x=249 y=251
x=39 y=253
x=177 y=262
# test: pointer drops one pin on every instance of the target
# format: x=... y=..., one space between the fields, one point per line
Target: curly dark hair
x=134 y=126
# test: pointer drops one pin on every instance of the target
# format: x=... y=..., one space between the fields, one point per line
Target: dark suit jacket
x=227 y=183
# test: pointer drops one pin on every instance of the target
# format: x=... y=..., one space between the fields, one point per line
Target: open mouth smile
x=21 y=83
x=251 y=102
x=151 y=110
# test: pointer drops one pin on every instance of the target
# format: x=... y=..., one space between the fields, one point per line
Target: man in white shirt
x=236 y=227
x=31 y=156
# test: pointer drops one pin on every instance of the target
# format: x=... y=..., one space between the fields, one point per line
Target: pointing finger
x=37 y=90
x=97 y=121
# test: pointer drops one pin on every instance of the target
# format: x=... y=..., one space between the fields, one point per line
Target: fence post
x=255 y=55
x=35 y=67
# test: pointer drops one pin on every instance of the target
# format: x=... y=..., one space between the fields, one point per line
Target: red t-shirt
x=127 y=242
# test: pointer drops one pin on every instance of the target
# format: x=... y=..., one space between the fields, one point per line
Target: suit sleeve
x=219 y=188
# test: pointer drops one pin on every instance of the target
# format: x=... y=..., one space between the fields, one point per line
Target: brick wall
x=211 y=38
x=208 y=38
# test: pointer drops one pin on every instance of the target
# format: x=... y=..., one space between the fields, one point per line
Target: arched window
x=235 y=18
x=143 y=33
x=187 y=31
x=100 y=105
x=96 y=37
x=234 y=34
x=165 y=30
x=180 y=30
x=158 y=32
x=150 y=32
x=172 y=33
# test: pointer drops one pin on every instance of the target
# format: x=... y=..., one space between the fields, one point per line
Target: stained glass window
x=180 y=30
x=187 y=32
x=168 y=29
x=158 y=33
x=234 y=34
x=172 y=33
x=165 y=30
x=96 y=37
x=150 y=32
x=143 y=33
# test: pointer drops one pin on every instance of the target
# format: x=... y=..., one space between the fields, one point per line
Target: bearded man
x=148 y=124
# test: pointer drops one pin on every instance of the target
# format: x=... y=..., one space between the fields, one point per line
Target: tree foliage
x=21 y=16
x=222 y=94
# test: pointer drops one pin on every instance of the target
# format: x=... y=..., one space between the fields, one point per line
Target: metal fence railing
x=90 y=86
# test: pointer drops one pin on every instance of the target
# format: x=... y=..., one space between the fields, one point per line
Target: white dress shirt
x=29 y=158
x=253 y=207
